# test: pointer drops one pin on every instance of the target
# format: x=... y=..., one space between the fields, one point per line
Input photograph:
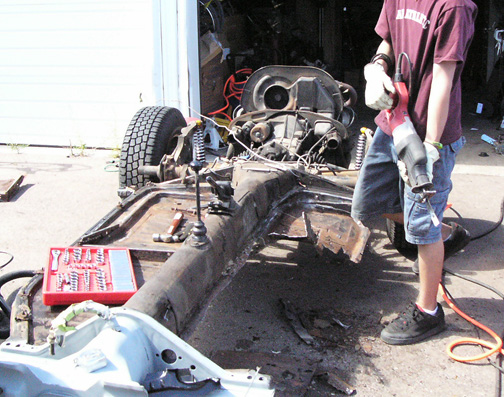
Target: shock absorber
x=360 y=150
x=199 y=143
x=199 y=236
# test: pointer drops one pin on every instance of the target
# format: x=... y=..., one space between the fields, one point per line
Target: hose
x=4 y=306
x=15 y=275
x=232 y=89
x=494 y=348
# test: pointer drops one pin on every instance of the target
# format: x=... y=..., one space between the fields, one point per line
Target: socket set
x=75 y=274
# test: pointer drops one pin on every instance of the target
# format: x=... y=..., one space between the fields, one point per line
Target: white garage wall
x=178 y=54
x=74 y=72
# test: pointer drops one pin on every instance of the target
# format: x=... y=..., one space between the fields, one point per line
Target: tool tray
x=76 y=274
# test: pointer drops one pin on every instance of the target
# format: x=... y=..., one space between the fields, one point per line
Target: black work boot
x=458 y=239
x=413 y=326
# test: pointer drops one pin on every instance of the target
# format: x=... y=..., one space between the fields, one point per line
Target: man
x=436 y=35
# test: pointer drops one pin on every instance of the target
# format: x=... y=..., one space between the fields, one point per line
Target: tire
x=4 y=326
x=395 y=233
x=150 y=135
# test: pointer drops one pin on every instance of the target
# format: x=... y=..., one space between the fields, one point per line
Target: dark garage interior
x=335 y=35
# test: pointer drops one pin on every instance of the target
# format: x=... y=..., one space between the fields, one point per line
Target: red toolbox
x=76 y=274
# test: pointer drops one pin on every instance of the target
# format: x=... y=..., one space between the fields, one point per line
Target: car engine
x=294 y=113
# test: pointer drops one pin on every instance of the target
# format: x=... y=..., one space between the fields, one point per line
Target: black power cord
x=8 y=261
x=493 y=228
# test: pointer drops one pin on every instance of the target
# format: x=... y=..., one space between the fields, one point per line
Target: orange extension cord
x=494 y=348
x=232 y=89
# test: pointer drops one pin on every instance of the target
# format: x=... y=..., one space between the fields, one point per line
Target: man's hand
x=432 y=156
x=379 y=86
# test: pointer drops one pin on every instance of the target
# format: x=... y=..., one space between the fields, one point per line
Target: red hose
x=494 y=348
x=232 y=89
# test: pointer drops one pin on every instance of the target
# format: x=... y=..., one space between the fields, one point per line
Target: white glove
x=432 y=156
x=379 y=86
x=403 y=171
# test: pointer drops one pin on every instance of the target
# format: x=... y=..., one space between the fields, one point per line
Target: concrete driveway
x=249 y=317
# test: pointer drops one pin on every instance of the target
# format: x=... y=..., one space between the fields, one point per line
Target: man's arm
x=379 y=85
x=385 y=48
x=439 y=99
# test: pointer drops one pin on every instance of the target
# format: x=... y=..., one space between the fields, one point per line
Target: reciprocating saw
x=408 y=144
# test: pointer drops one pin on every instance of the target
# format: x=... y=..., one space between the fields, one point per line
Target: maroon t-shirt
x=429 y=31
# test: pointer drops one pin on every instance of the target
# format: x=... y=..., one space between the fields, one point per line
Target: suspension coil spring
x=199 y=144
x=360 y=151
x=317 y=158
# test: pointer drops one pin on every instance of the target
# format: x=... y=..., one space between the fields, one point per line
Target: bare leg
x=414 y=324
x=399 y=218
x=430 y=260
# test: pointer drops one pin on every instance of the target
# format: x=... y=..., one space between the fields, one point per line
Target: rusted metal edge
x=21 y=315
x=322 y=219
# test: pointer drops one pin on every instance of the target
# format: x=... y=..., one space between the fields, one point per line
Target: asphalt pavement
x=344 y=305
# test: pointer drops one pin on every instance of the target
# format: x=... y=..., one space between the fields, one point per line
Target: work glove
x=432 y=156
x=379 y=86
x=403 y=171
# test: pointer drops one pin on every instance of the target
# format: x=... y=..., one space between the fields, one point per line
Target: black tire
x=151 y=134
x=4 y=326
x=395 y=233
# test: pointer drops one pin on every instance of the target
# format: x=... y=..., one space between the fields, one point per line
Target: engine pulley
x=260 y=132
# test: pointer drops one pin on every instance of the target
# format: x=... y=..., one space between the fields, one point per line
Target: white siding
x=177 y=40
x=74 y=72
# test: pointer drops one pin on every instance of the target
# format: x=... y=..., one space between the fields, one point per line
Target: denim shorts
x=380 y=189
